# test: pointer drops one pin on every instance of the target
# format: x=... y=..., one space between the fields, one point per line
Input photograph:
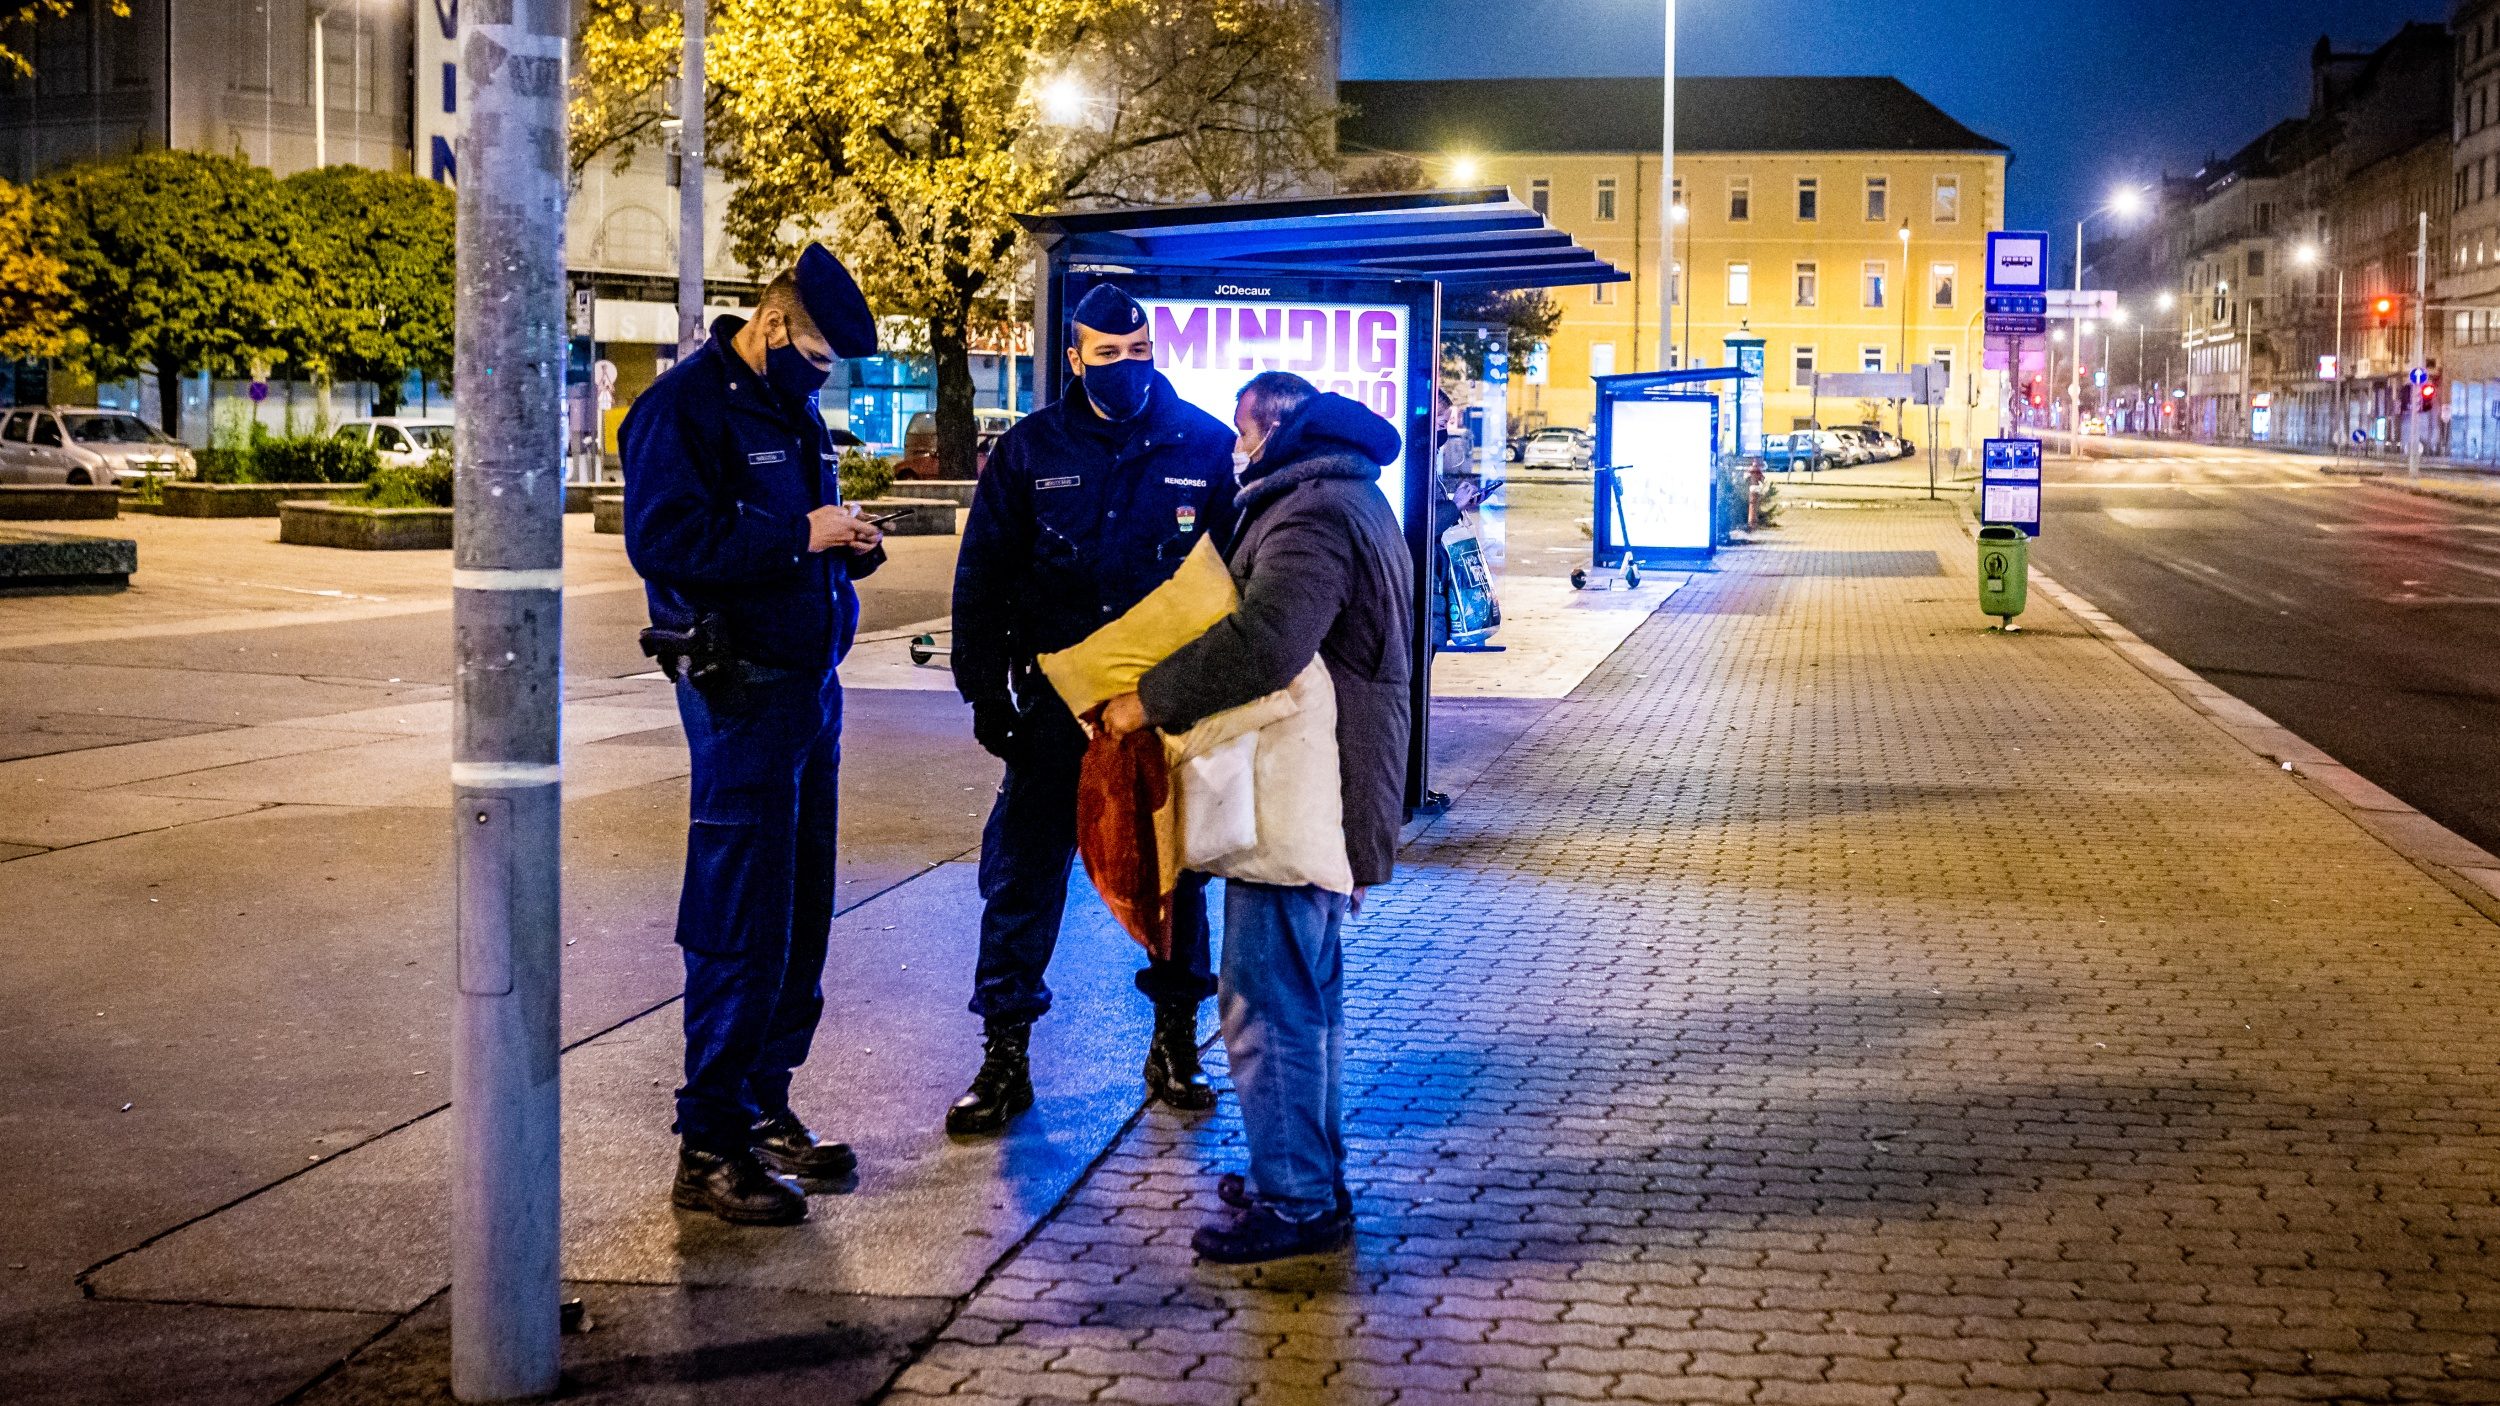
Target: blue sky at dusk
x=2087 y=92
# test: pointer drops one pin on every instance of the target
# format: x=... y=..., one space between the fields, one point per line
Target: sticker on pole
x=2009 y=484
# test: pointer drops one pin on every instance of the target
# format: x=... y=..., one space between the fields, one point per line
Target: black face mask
x=795 y=377
x=1119 y=388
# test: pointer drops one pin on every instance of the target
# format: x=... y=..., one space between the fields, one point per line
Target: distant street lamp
x=2123 y=202
x=1464 y=170
x=2309 y=256
x=1666 y=195
x=1064 y=100
x=1676 y=290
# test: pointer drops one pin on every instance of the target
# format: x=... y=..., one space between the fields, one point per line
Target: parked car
x=1558 y=447
x=85 y=445
x=399 y=441
x=2094 y=424
x=920 y=455
x=1803 y=450
x=1857 y=446
x=1887 y=445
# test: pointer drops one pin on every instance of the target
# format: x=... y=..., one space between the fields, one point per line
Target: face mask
x=1119 y=388
x=793 y=375
x=1241 y=463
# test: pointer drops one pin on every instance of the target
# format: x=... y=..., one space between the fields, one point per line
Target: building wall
x=2469 y=272
x=1616 y=328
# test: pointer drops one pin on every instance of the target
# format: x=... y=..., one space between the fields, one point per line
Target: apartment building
x=1843 y=220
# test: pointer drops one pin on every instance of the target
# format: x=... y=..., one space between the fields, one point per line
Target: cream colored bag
x=1259 y=791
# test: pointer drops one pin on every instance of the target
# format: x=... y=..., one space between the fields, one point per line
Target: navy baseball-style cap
x=834 y=304
x=1107 y=309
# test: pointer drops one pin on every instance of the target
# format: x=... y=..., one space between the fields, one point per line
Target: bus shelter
x=1661 y=438
x=1343 y=290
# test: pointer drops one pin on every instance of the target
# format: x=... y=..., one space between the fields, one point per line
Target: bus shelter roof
x=1465 y=240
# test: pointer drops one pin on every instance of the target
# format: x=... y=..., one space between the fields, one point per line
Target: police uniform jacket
x=720 y=475
x=1075 y=520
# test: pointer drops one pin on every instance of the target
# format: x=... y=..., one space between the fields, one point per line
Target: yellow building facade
x=1800 y=246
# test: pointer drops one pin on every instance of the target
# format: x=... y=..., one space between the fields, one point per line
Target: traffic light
x=2383 y=309
x=2430 y=392
x=2039 y=391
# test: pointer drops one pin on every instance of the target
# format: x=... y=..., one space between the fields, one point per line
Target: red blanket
x=1126 y=830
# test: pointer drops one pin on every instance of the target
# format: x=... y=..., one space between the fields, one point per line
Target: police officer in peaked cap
x=1086 y=505
x=734 y=518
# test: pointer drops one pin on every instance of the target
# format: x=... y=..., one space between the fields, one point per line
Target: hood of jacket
x=1331 y=436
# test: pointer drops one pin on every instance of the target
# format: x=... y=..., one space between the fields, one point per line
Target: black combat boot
x=786 y=1145
x=1172 y=1072
x=735 y=1187
x=1003 y=1087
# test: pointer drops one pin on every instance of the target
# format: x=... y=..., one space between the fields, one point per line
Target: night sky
x=2086 y=92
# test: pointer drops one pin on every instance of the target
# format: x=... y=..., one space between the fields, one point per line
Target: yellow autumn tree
x=35 y=301
x=908 y=134
x=18 y=19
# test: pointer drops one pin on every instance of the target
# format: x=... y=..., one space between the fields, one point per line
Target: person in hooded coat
x=1324 y=572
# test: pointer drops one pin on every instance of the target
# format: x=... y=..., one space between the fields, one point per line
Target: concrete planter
x=584 y=497
x=361 y=529
x=607 y=514
x=957 y=491
x=29 y=502
x=247 y=499
x=922 y=517
x=54 y=561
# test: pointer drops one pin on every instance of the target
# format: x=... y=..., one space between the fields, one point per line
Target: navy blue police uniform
x=721 y=471
x=1076 y=519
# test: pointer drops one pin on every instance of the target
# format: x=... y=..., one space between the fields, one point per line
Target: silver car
x=51 y=444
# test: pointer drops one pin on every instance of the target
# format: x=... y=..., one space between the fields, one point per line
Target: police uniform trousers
x=758 y=898
x=1027 y=850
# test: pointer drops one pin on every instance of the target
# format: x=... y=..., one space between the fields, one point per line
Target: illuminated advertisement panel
x=1208 y=347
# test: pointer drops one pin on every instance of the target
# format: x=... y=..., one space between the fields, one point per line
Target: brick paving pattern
x=1833 y=1003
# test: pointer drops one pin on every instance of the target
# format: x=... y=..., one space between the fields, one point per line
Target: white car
x=400 y=441
x=1557 y=447
x=86 y=446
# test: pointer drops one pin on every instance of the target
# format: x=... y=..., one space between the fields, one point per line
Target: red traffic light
x=2383 y=307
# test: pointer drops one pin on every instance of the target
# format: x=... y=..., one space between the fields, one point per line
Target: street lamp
x=1901 y=408
x=1064 y=100
x=2309 y=256
x=2124 y=203
x=1464 y=170
x=1683 y=217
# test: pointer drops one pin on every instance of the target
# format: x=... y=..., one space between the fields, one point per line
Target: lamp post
x=2308 y=256
x=2167 y=302
x=690 y=158
x=2126 y=201
x=1667 y=202
x=1900 y=409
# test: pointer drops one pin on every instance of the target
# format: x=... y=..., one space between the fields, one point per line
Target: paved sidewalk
x=1834 y=1002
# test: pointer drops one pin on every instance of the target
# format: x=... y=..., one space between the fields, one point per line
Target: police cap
x=1107 y=309
x=834 y=304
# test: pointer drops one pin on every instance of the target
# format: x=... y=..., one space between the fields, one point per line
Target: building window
x=1541 y=195
x=1809 y=199
x=1801 y=368
x=2256 y=263
x=1739 y=199
x=1678 y=194
x=1806 y=281
x=1605 y=199
x=1942 y=357
x=1601 y=358
x=1603 y=295
x=1875 y=270
x=1675 y=285
x=1940 y=284
x=1739 y=285
x=635 y=238
x=1948 y=207
x=1878 y=198
x=1870 y=358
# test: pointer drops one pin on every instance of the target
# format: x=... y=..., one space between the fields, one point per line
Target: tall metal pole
x=507 y=633
x=320 y=85
x=1666 y=206
x=690 y=182
x=2074 y=379
x=2335 y=437
x=2415 y=420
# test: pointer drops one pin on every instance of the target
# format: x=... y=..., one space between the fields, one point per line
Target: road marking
x=496 y=775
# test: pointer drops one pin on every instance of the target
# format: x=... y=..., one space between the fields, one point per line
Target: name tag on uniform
x=1186 y=482
x=769 y=456
x=1069 y=482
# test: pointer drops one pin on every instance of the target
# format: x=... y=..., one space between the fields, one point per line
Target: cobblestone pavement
x=1833 y=1002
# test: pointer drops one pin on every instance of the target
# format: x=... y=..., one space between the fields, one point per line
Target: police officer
x=1086 y=505
x=734 y=518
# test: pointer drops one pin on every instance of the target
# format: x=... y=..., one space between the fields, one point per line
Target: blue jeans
x=1027 y=851
x=757 y=905
x=1284 y=1031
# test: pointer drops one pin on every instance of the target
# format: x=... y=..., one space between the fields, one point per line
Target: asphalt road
x=2363 y=618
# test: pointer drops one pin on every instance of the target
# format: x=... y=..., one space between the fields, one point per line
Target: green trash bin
x=2004 y=572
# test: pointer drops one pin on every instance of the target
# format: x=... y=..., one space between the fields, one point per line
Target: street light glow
x=2166 y=301
x=1064 y=99
x=1682 y=214
x=2118 y=316
x=2307 y=256
x=1464 y=170
x=2127 y=200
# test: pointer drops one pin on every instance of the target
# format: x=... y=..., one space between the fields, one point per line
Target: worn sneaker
x=1233 y=1189
x=1259 y=1234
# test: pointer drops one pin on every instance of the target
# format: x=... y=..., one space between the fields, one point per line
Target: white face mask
x=1241 y=462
